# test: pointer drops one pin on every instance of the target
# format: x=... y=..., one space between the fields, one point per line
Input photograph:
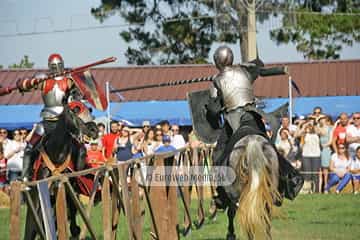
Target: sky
x=82 y=47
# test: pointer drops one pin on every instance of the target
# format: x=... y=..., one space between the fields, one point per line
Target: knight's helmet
x=223 y=57
x=56 y=63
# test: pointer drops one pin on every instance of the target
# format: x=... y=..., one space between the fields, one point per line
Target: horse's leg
x=231 y=215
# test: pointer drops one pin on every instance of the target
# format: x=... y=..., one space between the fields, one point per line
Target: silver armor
x=53 y=100
x=235 y=86
x=223 y=57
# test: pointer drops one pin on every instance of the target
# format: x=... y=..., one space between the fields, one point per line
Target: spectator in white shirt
x=311 y=155
x=285 y=123
x=14 y=153
x=177 y=140
x=353 y=134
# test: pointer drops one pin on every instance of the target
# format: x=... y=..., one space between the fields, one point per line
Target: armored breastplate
x=53 y=95
x=236 y=88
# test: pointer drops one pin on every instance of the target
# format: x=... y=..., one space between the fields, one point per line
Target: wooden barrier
x=120 y=193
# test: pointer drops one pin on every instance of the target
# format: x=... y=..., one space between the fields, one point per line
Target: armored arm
x=256 y=68
x=26 y=84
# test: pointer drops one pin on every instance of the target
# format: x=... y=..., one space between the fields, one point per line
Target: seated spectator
x=94 y=157
x=166 y=147
x=3 y=162
x=339 y=169
x=355 y=171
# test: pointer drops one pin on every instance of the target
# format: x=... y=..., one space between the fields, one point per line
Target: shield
x=202 y=128
x=91 y=91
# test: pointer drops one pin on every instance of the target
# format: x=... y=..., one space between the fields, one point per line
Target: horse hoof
x=75 y=231
x=230 y=237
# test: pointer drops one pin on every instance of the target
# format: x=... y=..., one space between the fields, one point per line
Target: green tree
x=176 y=31
x=320 y=36
x=24 y=63
x=1 y=66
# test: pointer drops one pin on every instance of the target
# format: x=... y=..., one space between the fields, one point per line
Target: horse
x=253 y=160
x=59 y=146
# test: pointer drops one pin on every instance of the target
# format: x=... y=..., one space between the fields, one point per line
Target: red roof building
x=318 y=78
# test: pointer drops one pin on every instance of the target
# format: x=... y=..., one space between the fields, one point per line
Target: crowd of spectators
x=327 y=153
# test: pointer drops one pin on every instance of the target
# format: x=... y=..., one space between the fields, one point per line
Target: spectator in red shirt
x=108 y=140
x=339 y=134
x=94 y=157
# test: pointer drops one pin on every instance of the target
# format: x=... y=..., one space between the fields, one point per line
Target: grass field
x=309 y=217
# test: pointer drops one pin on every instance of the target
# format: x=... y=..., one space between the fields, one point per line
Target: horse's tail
x=260 y=190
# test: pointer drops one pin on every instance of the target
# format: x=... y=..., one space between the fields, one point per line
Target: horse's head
x=79 y=124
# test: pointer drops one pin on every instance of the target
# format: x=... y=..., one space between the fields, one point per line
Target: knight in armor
x=56 y=93
x=232 y=104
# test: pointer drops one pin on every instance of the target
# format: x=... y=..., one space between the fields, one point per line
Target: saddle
x=86 y=184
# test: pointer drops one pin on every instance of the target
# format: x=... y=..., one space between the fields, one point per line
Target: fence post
x=15 y=193
x=135 y=207
x=164 y=203
x=125 y=193
x=106 y=203
x=61 y=213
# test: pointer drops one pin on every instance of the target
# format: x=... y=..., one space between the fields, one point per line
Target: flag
x=296 y=87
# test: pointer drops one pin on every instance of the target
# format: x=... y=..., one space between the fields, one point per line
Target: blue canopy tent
x=177 y=112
